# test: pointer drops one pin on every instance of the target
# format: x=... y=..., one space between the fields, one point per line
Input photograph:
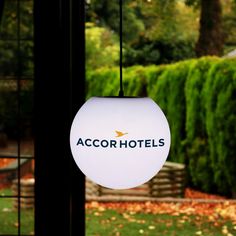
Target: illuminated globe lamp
x=120 y=142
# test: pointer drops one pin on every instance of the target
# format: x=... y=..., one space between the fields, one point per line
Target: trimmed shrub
x=220 y=94
x=171 y=98
x=196 y=143
x=105 y=81
x=135 y=81
x=102 y=82
x=153 y=73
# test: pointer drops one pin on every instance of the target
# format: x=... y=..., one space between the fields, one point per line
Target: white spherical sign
x=120 y=143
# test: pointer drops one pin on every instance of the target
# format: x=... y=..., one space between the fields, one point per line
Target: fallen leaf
x=198 y=233
x=225 y=230
x=151 y=227
x=141 y=231
x=16 y=224
x=97 y=213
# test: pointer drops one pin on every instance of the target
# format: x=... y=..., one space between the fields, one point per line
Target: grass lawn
x=118 y=223
x=102 y=221
x=9 y=217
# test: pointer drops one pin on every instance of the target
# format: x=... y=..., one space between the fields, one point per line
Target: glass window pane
x=26 y=112
x=27 y=221
x=26 y=26
x=26 y=61
x=8 y=174
x=27 y=216
x=8 y=113
x=8 y=58
x=8 y=29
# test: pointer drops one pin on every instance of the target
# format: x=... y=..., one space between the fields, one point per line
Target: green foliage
x=101 y=47
x=170 y=34
x=106 y=13
x=153 y=73
x=154 y=32
x=103 y=82
x=160 y=14
x=195 y=115
x=199 y=171
x=220 y=93
x=195 y=3
x=229 y=25
x=9 y=49
x=199 y=100
x=171 y=98
x=135 y=81
x=148 y=51
x=170 y=22
x=196 y=143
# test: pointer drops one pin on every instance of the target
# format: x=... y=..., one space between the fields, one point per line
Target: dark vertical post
x=19 y=74
x=77 y=99
x=59 y=91
x=1 y=9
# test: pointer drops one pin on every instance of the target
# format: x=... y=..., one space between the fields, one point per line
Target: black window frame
x=16 y=78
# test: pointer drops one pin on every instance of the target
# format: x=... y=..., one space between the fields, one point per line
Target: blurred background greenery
x=162 y=31
x=173 y=51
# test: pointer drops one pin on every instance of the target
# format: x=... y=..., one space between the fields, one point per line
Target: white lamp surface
x=120 y=143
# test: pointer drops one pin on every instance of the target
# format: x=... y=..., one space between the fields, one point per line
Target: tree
x=171 y=32
x=229 y=25
x=106 y=13
x=210 y=41
x=102 y=48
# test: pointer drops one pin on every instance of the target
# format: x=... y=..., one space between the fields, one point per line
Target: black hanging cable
x=121 y=92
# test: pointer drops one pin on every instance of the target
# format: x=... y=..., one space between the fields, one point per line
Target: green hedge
x=170 y=97
x=196 y=145
x=220 y=96
x=199 y=99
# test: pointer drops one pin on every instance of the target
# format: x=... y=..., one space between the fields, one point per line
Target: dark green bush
x=220 y=94
x=171 y=98
x=147 y=52
x=196 y=143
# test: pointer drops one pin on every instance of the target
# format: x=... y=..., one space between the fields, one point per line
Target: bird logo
x=119 y=133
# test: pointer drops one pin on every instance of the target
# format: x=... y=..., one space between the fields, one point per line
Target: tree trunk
x=210 y=40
